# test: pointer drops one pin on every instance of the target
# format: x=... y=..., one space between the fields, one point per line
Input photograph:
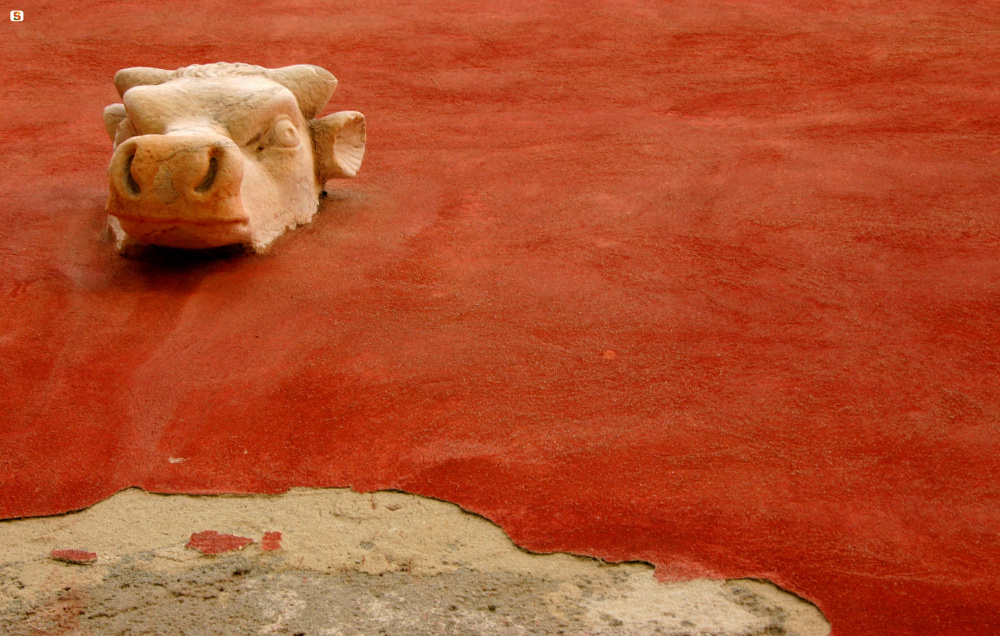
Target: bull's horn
x=113 y=115
x=312 y=86
x=139 y=76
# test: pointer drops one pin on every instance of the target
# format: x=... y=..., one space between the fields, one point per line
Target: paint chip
x=80 y=557
x=212 y=542
x=271 y=541
x=176 y=460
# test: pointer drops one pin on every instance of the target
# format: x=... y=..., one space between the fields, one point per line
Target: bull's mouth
x=183 y=232
x=122 y=216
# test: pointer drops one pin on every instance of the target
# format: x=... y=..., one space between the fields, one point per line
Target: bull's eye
x=281 y=134
x=284 y=134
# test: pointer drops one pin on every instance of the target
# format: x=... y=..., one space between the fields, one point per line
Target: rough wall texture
x=711 y=285
x=347 y=564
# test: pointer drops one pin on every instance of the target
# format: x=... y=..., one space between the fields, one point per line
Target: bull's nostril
x=206 y=183
x=128 y=182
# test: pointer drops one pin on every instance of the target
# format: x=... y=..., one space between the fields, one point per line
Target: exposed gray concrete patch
x=350 y=564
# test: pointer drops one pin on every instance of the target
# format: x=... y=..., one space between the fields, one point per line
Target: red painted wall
x=713 y=285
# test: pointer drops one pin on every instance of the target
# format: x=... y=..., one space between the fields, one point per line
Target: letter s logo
x=17 y=16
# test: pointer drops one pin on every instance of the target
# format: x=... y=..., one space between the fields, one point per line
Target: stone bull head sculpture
x=221 y=154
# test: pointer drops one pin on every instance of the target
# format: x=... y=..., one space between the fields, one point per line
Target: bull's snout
x=179 y=191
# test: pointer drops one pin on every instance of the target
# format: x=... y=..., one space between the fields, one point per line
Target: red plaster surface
x=713 y=285
x=212 y=542
x=80 y=557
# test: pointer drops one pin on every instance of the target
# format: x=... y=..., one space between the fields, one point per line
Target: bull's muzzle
x=179 y=191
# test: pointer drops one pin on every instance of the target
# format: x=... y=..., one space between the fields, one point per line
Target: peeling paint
x=350 y=563
x=81 y=557
x=212 y=542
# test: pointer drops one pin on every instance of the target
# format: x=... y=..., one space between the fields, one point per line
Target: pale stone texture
x=221 y=154
x=349 y=564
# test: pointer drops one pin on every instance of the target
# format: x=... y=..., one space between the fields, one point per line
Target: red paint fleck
x=609 y=355
x=81 y=557
x=271 y=541
x=212 y=542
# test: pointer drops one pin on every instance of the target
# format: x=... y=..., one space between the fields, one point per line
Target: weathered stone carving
x=220 y=154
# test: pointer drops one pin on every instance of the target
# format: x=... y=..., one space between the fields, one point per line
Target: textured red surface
x=712 y=285
x=212 y=542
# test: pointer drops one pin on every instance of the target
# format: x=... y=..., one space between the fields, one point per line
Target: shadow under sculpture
x=223 y=154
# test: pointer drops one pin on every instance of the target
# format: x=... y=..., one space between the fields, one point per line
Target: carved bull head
x=220 y=154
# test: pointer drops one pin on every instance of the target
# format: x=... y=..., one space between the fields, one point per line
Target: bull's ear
x=139 y=76
x=312 y=86
x=339 y=144
x=113 y=115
